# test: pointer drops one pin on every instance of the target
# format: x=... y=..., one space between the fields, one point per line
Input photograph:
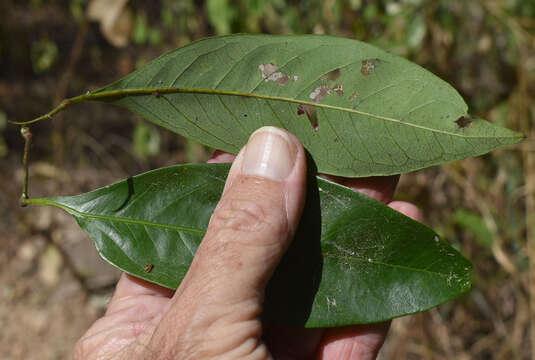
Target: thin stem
x=111 y=94
x=48 y=115
x=27 y=135
x=62 y=87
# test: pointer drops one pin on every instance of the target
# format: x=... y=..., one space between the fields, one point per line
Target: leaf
x=146 y=140
x=353 y=260
x=358 y=110
x=475 y=224
x=221 y=14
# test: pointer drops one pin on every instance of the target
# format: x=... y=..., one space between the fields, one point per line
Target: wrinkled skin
x=215 y=313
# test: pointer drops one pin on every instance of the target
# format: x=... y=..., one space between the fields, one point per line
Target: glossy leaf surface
x=354 y=260
x=357 y=109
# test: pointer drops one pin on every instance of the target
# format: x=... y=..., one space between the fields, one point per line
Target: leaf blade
x=395 y=119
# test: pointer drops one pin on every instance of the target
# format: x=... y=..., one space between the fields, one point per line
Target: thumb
x=249 y=232
x=259 y=211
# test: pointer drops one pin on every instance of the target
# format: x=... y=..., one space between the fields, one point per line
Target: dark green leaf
x=358 y=110
x=354 y=260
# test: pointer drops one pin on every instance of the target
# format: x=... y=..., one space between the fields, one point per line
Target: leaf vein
x=116 y=93
x=244 y=130
x=193 y=122
x=396 y=266
x=193 y=62
x=240 y=61
x=74 y=212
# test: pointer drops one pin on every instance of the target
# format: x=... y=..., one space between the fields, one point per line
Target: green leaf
x=358 y=110
x=353 y=260
x=474 y=223
x=146 y=140
x=221 y=14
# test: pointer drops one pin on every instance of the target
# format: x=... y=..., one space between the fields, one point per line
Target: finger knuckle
x=244 y=216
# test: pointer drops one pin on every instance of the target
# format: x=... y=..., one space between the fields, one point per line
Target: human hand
x=215 y=312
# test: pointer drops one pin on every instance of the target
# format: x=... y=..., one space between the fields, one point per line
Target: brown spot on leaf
x=267 y=69
x=319 y=93
x=148 y=268
x=269 y=73
x=339 y=89
x=368 y=66
x=353 y=97
x=333 y=74
x=311 y=113
x=463 y=122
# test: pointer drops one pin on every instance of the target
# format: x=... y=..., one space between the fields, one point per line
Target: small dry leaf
x=115 y=19
x=49 y=268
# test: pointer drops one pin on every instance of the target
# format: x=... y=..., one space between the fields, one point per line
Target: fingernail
x=270 y=153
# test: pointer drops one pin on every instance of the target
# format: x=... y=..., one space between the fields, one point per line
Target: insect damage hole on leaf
x=319 y=93
x=269 y=73
x=463 y=122
x=368 y=66
x=333 y=74
x=311 y=113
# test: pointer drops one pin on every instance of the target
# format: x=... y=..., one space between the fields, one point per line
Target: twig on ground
x=62 y=88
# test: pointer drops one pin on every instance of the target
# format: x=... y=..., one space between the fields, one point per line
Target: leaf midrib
x=160 y=91
x=396 y=266
x=74 y=212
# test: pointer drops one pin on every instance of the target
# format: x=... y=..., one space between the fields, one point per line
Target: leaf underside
x=353 y=260
x=358 y=110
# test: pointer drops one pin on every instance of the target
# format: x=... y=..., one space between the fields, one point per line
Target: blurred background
x=52 y=283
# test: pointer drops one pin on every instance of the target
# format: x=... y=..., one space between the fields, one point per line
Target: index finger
x=381 y=188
